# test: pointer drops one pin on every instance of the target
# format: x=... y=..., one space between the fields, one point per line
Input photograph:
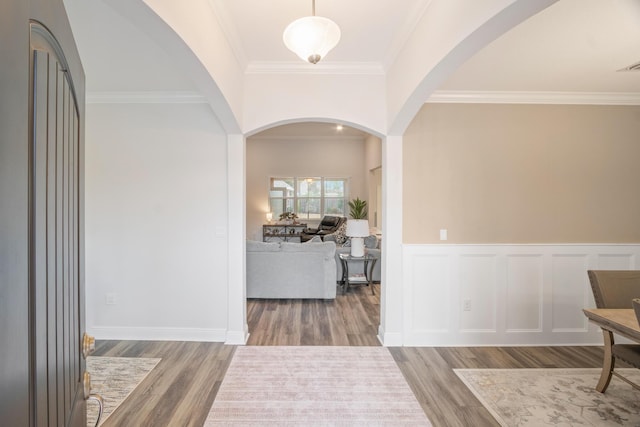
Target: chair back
x=614 y=288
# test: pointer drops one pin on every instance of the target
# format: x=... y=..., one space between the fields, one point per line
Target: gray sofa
x=291 y=270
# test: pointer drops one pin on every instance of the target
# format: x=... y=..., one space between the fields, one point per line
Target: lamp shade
x=357 y=228
x=311 y=37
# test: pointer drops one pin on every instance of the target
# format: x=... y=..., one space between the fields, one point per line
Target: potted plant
x=358 y=208
x=358 y=227
x=288 y=217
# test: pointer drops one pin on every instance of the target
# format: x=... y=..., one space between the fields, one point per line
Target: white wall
x=356 y=100
x=516 y=294
x=156 y=195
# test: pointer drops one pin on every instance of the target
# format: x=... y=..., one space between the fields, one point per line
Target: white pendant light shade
x=311 y=37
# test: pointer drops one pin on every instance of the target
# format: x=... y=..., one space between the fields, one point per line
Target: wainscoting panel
x=568 y=284
x=429 y=302
x=616 y=261
x=470 y=295
x=524 y=293
x=478 y=287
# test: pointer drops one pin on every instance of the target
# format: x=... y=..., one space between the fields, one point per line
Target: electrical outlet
x=466 y=305
x=111 y=299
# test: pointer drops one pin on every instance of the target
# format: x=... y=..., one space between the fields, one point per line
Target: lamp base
x=357 y=246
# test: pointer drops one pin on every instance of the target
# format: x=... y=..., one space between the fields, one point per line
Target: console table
x=282 y=232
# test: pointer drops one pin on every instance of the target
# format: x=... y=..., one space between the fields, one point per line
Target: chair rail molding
x=504 y=294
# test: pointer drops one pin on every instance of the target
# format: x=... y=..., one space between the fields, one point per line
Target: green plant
x=288 y=215
x=358 y=208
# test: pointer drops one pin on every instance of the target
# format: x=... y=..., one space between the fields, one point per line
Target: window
x=310 y=198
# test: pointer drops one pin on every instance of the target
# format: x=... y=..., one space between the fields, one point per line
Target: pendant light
x=311 y=37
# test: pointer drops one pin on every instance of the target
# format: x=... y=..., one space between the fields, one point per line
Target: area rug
x=114 y=378
x=554 y=397
x=315 y=386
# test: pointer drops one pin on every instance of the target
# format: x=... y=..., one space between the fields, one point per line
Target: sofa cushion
x=327 y=248
x=256 y=246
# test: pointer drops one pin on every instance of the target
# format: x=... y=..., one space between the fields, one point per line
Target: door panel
x=41 y=270
x=55 y=287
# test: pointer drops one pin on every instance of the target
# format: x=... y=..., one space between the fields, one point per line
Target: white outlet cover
x=443 y=234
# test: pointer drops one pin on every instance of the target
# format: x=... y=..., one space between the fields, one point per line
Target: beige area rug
x=114 y=378
x=315 y=386
x=554 y=397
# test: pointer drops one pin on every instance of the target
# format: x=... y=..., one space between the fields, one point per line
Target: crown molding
x=503 y=97
x=145 y=98
x=326 y=67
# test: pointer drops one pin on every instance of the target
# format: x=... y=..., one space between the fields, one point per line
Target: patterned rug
x=315 y=386
x=554 y=397
x=114 y=378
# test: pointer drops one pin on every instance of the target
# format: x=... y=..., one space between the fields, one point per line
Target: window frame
x=296 y=197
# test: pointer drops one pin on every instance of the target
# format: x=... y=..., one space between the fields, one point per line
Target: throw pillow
x=314 y=239
x=371 y=242
x=340 y=235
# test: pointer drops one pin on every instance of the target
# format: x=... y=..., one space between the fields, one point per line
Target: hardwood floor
x=351 y=319
x=182 y=387
x=179 y=391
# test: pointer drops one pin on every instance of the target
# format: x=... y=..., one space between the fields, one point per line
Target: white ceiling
x=573 y=46
x=373 y=32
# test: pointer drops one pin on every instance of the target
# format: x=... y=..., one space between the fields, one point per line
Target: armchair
x=328 y=225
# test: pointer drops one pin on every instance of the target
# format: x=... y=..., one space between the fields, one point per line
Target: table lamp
x=269 y=217
x=357 y=229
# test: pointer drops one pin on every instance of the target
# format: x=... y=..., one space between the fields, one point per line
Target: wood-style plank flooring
x=181 y=389
x=351 y=319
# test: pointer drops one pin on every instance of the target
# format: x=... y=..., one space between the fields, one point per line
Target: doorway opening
x=298 y=151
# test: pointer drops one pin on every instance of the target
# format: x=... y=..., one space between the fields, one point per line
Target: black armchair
x=328 y=225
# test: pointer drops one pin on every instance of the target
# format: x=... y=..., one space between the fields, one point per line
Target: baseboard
x=237 y=338
x=157 y=334
x=389 y=339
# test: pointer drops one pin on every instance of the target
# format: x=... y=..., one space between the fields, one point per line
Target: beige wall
x=329 y=157
x=522 y=174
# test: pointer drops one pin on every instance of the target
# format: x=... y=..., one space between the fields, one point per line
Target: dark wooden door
x=41 y=240
x=56 y=297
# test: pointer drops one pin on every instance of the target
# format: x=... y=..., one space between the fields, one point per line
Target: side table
x=347 y=279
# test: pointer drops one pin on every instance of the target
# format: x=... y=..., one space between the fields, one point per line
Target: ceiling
x=373 y=32
x=572 y=46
